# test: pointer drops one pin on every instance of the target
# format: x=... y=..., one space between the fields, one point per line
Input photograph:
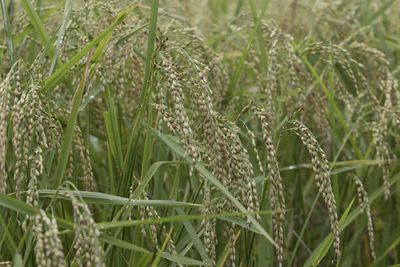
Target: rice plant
x=199 y=133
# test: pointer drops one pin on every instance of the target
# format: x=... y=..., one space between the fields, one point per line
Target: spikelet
x=174 y=79
x=48 y=248
x=254 y=146
x=322 y=177
x=242 y=171
x=89 y=251
x=232 y=249
x=381 y=127
x=166 y=117
x=285 y=70
x=365 y=207
x=5 y=94
x=17 y=117
x=208 y=224
x=85 y=159
x=276 y=192
x=36 y=170
x=202 y=55
x=36 y=129
x=269 y=102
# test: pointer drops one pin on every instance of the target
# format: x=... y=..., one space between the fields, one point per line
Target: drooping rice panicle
x=322 y=178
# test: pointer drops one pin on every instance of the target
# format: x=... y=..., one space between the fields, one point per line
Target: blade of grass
x=235 y=78
x=7 y=31
x=43 y=17
x=95 y=91
x=153 y=169
x=69 y=131
x=18 y=262
x=128 y=160
x=177 y=218
x=127 y=245
x=106 y=199
x=303 y=230
x=111 y=137
x=150 y=173
x=123 y=244
x=198 y=244
x=164 y=246
x=260 y=39
x=61 y=32
x=224 y=255
x=21 y=207
x=182 y=259
x=379 y=13
x=150 y=48
x=12 y=247
x=148 y=141
x=113 y=128
x=393 y=246
x=39 y=28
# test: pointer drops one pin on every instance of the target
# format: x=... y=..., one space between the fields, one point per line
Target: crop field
x=199 y=133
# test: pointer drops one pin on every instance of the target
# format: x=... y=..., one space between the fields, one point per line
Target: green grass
x=131 y=123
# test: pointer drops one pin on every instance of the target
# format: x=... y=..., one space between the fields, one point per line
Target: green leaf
x=164 y=246
x=198 y=244
x=379 y=13
x=224 y=255
x=127 y=245
x=144 y=260
x=260 y=39
x=8 y=238
x=182 y=259
x=43 y=17
x=150 y=48
x=113 y=128
x=18 y=262
x=21 y=207
x=111 y=137
x=122 y=244
x=8 y=31
x=128 y=160
x=150 y=173
x=392 y=246
x=61 y=32
x=106 y=199
x=91 y=95
x=39 y=28
x=129 y=223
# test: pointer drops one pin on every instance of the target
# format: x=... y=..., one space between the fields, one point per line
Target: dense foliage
x=216 y=133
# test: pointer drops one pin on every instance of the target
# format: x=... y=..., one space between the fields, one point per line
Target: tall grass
x=212 y=133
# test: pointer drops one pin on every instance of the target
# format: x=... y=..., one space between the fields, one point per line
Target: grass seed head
x=322 y=177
